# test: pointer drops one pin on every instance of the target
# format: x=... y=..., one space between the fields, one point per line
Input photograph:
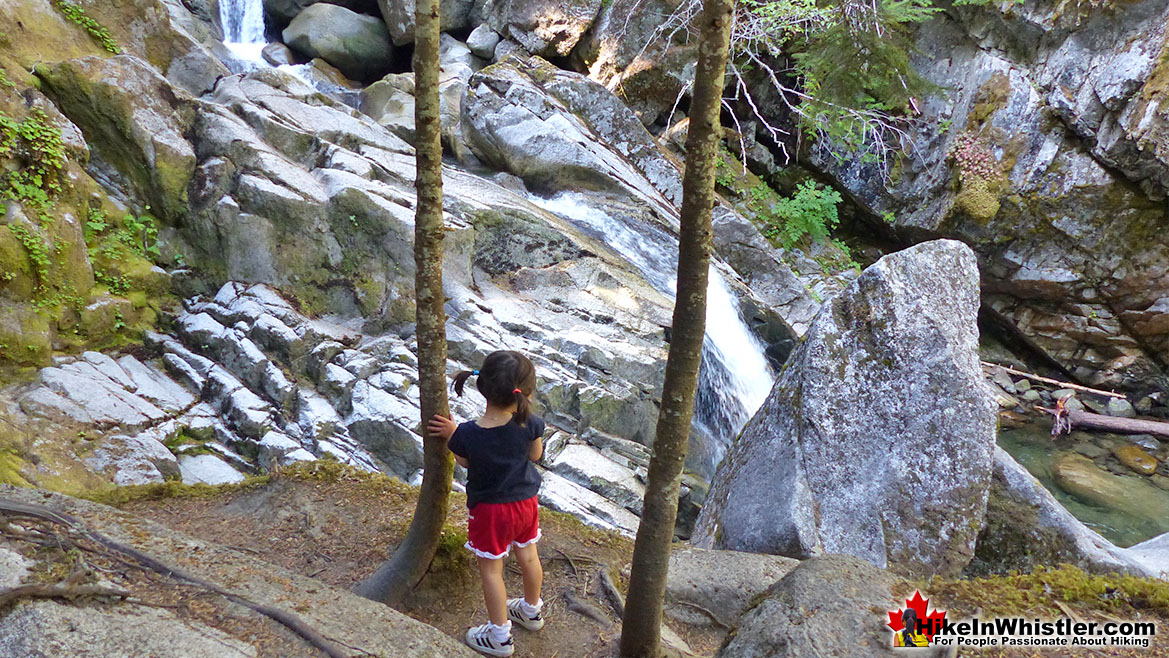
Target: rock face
x=1067 y=107
x=877 y=439
x=814 y=611
x=358 y=45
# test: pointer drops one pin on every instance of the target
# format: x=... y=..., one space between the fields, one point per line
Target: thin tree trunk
x=394 y=579
x=641 y=632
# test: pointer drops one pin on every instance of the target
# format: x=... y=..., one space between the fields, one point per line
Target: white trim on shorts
x=507 y=551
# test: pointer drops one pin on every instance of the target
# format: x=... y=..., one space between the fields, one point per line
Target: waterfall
x=735 y=378
x=243 y=29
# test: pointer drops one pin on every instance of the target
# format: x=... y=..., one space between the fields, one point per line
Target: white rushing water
x=243 y=29
x=735 y=377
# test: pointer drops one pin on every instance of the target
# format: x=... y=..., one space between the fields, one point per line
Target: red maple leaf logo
x=932 y=622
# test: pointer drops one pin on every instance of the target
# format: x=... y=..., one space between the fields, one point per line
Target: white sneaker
x=481 y=639
x=515 y=612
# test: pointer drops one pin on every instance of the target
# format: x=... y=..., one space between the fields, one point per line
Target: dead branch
x=1055 y=382
x=289 y=620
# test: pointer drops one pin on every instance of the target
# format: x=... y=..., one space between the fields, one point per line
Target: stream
x=1125 y=509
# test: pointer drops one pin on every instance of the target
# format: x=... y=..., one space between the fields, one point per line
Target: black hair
x=506 y=376
x=909 y=618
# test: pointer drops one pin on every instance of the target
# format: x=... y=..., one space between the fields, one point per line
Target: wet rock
x=358 y=45
x=725 y=583
x=1083 y=479
x=1136 y=459
x=1089 y=450
x=824 y=466
x=278 y=54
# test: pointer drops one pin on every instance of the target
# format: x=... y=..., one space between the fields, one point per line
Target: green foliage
x=38 y=252
x=4 y=81
x=35 y=145
x=77 y=15
x=811 y=211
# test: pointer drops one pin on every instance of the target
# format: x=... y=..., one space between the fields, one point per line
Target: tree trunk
x=394 y=578
x=641 y=632
x=1091 y=421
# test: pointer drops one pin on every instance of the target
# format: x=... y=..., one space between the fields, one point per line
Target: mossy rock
x=26 y=336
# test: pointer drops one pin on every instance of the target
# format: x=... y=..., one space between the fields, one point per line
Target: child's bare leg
x=494 y=591
x=532 y=571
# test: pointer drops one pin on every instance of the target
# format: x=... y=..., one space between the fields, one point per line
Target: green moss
x=11 y=466
x=117 y=496
x=1036 y=592
x=991 y=97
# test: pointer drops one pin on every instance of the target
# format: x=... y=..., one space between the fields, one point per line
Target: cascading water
x=243 y=29
x=735 y=378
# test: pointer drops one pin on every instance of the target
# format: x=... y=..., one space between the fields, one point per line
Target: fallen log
x=1090 y=421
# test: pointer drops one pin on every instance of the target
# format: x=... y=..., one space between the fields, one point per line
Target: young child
x=498 y=450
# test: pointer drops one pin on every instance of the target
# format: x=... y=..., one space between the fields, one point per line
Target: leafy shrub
x=810 y=211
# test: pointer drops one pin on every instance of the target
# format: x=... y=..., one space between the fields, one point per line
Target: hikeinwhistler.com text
x=1063 y=632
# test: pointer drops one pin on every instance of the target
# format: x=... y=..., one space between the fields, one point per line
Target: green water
x=1143 y=517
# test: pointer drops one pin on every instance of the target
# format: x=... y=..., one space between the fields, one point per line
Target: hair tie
x=475 y=372
x=517 y=391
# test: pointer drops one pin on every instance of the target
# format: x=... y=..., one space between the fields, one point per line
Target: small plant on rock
x=980 y=182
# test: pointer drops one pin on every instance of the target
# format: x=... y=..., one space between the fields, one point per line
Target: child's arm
x=536 y=450
x=445 y=428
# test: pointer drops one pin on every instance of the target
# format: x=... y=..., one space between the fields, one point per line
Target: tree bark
x=394 y=578
x=641 y=632
x=1091 y=421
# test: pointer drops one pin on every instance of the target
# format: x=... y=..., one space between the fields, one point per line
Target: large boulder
x=399 y=17
x=542 y=28
x=877 y=439
x=831 y=607
x=286 y=10
x=358 y=45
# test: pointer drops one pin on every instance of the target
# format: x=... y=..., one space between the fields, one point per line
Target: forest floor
x=337 y=525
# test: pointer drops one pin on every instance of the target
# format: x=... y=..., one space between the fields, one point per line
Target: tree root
x=585 y=609
x=289 y=620
x=58 y=591
x=611 y=592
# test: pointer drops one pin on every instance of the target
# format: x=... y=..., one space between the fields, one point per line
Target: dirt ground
x=336 y=525
x=339 y=527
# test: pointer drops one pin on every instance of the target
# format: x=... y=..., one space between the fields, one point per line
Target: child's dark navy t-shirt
x=499 y=470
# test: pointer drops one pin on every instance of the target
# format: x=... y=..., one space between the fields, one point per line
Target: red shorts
x=493 y=528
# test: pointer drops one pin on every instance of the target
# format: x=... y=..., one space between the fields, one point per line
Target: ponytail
x=460 y=380
x=523 y=408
